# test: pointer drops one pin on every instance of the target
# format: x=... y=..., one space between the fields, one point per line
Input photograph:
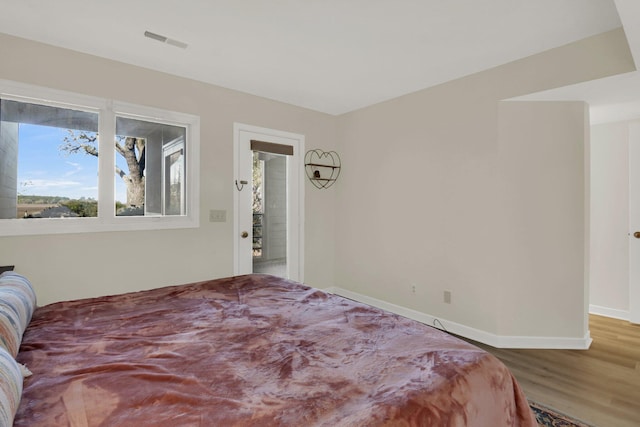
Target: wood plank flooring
x=600 y=386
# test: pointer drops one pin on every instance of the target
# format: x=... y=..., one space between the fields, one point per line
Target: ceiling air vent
x=164 y=39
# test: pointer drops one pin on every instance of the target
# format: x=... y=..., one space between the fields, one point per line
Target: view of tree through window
x=150 y=160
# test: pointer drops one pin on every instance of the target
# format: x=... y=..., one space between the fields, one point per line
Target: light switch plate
x=217 y=215
x=447 y=297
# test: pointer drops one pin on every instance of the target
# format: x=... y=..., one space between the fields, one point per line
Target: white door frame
x=634 y=223
x=242 y=171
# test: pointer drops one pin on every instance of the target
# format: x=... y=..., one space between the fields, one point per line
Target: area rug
x=547 y=417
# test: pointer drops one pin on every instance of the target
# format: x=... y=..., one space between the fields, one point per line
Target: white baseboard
x=609 y=312
x=498 y=341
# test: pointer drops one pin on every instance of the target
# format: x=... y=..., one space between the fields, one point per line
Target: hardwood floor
x=600 y=386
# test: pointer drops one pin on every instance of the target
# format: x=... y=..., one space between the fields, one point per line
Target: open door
x=269 y=201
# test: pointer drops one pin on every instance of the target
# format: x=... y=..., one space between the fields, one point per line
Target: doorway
x=269 y=201
x=615 y=217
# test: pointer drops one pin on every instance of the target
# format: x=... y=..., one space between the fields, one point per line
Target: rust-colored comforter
x=254 y=351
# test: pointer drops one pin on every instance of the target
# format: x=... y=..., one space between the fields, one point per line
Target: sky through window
x=46 y=170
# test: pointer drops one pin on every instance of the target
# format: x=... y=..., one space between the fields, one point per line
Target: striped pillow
x=10 y=387
x=17 y=302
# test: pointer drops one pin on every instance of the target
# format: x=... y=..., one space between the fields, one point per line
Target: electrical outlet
x=447 y=297
x=413 y=289
x=217 y=216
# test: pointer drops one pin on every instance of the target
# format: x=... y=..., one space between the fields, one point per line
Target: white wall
x=81 y=265
x=438 y=191
x=542 y=221
x=609 y=219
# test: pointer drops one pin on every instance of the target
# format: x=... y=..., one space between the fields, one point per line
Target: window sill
x=40 y=226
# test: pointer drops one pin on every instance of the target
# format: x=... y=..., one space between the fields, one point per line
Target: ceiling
x=332 y=56
x=613 y=98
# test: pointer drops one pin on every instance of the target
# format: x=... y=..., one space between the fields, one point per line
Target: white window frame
x=108 y=110
x=168 y=150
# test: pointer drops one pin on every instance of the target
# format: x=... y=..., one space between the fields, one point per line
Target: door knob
x=636 y=234
x=244 y=235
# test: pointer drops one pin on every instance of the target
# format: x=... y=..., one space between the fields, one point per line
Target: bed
x=252 y=350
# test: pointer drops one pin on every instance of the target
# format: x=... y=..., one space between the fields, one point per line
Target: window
x=55 y=158
x=257 y=204
x=40 y=176
x=150 y=160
